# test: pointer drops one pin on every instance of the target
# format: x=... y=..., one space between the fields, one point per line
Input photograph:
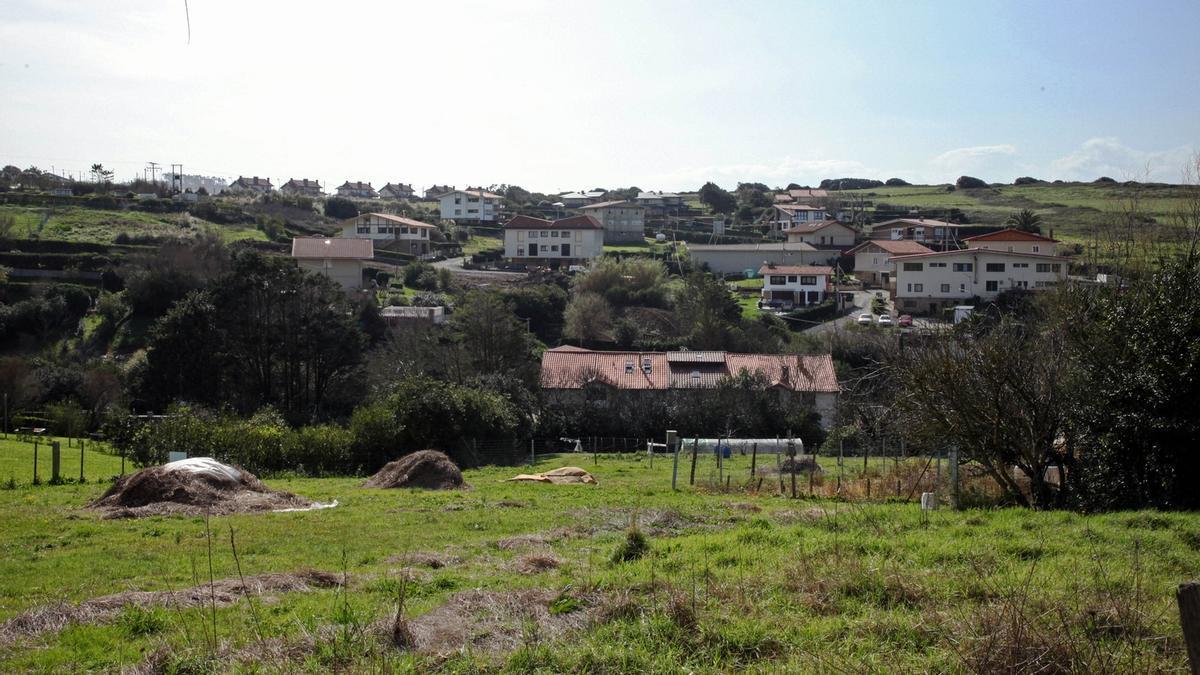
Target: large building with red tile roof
x=873 y=259
x=1014 y=241
x=927 y=283
x=567 y=241
x=935 y=234
x=574 y=372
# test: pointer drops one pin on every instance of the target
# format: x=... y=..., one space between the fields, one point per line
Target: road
x=455 y=265
x=862 y=303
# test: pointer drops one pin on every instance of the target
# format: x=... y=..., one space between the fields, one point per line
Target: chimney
x=784 y=375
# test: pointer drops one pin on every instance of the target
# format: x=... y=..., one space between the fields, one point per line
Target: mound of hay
x=192 y=486
x=428 y=469
x=559 y=476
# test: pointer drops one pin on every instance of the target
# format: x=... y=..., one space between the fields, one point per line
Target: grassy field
x=16 y=460
x=72 y=223
x=646 y=246
x=479 y=243
x=728 y=581
x=1068 y=208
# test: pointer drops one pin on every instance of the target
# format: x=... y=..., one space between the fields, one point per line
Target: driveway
x=455 y=265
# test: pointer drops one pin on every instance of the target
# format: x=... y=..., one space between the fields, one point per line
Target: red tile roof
x=332 y=247
x=893 y=246
x=572 y=368
x=356 y=185
x=980 y=251
x=395 y=219
x=523 y=222
x=801 y=269
x=805 y=228
x=1010 y=234
x=618 y=203
x=302 y=183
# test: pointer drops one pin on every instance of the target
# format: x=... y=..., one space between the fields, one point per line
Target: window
x=778 y=280
x=938 y=232
x=564 y=234
x=913 y=266
x=1055 y=267
x=1010 y=249
x=458 y=200
x=543 y=234
x=791 y=278
x=932 y=265
x=993 y=286
x=472 y=210
x=554 y=248
x=962 y=288
x=964 y=267
x=1037 y=249
x=808 y=280
x=995 y=267
x=1020 y=266
x=1042 y=268
x=629 y=367
x=918 y=288
x=1020 y=284
x=472 y=200
x=458 y=212
x=945 y=288
x=554 y=234
x=364 y=229
x=875 y=261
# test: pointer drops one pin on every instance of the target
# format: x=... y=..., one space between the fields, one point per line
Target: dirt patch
x=522 y=541
x=167 y=489
x=536 y=563
x=495 y=622
x=427 y=469
x=104 y=609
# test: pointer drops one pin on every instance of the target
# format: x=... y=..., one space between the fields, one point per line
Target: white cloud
x=1108 y=157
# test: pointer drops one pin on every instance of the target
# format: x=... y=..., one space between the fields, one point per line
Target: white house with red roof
x=873 y=259
x=824 y=234
x=396 y=233
x=936 y=234
x=566 y=241
x=472 y=205
x=929 y=282
x=1013 y=240
x=576 y=374
x=792 y=286
x=339 y=259
x=781 y=217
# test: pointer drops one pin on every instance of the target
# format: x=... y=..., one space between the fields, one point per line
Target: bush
x=1026 y=180
x=896 y=182
x=969 y=182
x=340 y=208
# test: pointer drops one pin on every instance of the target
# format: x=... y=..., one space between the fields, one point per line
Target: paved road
x=455 y=265
x=862 y=303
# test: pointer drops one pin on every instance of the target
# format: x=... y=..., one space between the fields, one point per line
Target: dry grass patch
x=536 y=563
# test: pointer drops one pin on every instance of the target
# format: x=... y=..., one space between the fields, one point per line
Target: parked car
x=866 y=319
x=885 y=320
x=905 y=321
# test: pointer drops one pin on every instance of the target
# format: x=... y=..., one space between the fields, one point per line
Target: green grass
x=742 y=582
x=16 y=460
x=479 y=243
x=81 y=224
x=645 y=246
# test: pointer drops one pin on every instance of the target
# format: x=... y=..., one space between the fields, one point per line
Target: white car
x=885 y=320
x=866 y=319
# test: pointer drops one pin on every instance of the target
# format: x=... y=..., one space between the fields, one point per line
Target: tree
x=340 y=208
x=1026 y=180
x=716 y=199
x=708 y=311
x=1025 y=220
x=967 y=182
x=101 y=174
x=1001 y=395
x=896 y=182
x=493 y=340
x=588 y=318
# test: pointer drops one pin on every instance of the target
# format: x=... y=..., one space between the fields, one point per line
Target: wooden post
x=868 y=488
x=55 y=461
x=122 y=462
x=673 y=448
x=720 y=463
x=954 y=477
x=792 y=458
x=80 y=461
x=35 y=454
x=778 y=465
x=695 y=451
x=595 y=457
x=532 y=452
x=1188 y=598
x=753 y=459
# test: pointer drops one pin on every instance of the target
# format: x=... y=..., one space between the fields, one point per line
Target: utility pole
x=177 y=178
x=153 y=166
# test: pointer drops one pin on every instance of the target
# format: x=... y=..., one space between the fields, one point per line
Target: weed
x=137 y=621
x=634 y=546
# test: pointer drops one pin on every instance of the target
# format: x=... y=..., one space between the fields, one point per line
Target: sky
x=558 y=95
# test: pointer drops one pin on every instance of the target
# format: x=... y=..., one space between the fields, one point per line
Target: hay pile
x=428 y=469
x=560 y=476
x=193 y=486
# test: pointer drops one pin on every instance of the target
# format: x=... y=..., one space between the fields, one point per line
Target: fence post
x=35 y=454
x=532 y=452
x=695 y=451
x=753 y=459
x=778 y=465
x=1188 y=599
x=792 y=459
x=954 y=477
x=720 y=463
x=81 y=461
x=673 y=446
x=55 y=461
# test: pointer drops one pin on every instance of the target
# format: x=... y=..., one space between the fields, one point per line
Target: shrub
x=969 y=182
x=340 y=207
x=896 y=182
x=633 y=547
x=1026 y=180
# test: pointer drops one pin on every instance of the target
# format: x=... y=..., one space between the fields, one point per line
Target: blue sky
x=570 y=95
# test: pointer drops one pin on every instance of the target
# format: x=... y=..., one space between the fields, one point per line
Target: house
x=435 y=191
x=660 y=203
x=397 y=191
x=823 y=234
x=782 y=217
x=623 y=221
x=397 y=316
x=787 y=286
x=574 y=200
x=928 y=282
x=936 y=234
x=738 y=258
x=339 y=259
x=1014 y=241
x=253 y=185
x=60 y=192
x=873 y=259
x=566 y=241
x=304 y=186
x=471 y=205
x=811 y=196
x=357 y=189
x=582 y=375
x=396 y=233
